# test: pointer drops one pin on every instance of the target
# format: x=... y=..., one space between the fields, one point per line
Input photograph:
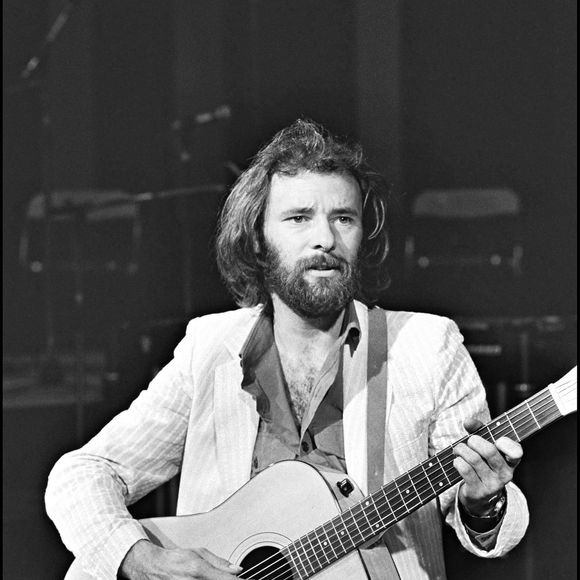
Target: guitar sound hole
x=266 y=563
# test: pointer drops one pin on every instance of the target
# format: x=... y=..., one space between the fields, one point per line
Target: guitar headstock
x=564 y=392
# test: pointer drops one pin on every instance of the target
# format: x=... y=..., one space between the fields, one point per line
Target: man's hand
x=485 y=467
x=147 y=561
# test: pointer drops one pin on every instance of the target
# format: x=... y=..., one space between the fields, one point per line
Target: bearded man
x=306 y=369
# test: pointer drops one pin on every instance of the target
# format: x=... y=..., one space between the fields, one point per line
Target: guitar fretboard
x=394 y=501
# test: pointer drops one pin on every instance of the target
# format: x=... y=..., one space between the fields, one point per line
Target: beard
x=321 y=297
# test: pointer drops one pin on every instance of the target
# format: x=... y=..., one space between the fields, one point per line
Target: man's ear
x=257 y=247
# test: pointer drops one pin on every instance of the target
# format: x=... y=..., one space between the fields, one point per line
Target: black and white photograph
x=290 y=289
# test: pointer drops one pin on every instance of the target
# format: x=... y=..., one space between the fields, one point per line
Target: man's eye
x=298 y=219
x=345 y=219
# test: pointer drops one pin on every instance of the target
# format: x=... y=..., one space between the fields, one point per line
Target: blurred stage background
x=138 y=119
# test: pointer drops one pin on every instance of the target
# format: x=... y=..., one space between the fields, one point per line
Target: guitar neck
x=408 y=492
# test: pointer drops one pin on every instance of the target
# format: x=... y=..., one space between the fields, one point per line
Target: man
x=300 y=245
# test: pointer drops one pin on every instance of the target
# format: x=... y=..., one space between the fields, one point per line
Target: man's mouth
x=327 y=263
x=324 y=270
x=324 y=273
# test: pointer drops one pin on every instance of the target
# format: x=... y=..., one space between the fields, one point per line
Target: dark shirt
x=319 y=439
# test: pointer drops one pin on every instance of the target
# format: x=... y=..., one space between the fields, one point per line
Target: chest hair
x=301 y=370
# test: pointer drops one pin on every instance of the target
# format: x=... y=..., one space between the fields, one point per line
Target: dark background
x=441 y=95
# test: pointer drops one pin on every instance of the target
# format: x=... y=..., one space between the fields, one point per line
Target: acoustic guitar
x=275 y=531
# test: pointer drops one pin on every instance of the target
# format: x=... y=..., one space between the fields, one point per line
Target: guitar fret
x=490 y=433
x=357 y=526
x=413 y=484
x=348 y=532
x=329 y=540
x=408 y=489
x=317 y=553
x=401 y=495
x=306 y=563
x=300 y=561
x=502 y=424
x=497 y=426
x=533 y=416
x=397 y=501
x=530 y=424
x=378 y=526
x=427 y=477
x=507 y=416
x=363 y=511
x=417 y=475
x=413 y=499
x=547 y=408
x=314 y=553
x=342 y=536
x=294 y=567
x=434 y=465
x=438 y=458
x=383 y=490
x=322 y=543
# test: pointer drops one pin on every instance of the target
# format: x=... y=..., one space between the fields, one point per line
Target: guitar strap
x=377 y=559
x=376 y=398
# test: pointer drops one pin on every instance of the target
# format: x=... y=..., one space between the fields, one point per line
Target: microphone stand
x=51 y=371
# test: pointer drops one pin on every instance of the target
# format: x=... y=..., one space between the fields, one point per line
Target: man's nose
x=323 y=235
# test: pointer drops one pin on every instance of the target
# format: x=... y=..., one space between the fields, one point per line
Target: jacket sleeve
x=461 y=395
x=140 y=449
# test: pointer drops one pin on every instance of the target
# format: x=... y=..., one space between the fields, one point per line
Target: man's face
x=313 y=232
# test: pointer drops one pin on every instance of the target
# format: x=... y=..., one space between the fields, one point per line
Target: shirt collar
x=350 y=326
x=258 y=342
x=261 y=336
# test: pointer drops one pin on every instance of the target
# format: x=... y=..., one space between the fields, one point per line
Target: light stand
x=51 y=371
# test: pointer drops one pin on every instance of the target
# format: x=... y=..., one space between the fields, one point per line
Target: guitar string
x=370 y=526
x=504 y=428
x=402 y=505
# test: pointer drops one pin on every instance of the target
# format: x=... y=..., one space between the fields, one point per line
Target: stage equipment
x=33 y=78
x=515 y=355
x=94 y=231
x=464 y=228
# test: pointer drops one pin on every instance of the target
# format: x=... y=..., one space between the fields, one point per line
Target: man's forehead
x=309 y=174
x=284 y=186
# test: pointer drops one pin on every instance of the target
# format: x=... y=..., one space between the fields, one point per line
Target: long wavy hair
x=303 y=146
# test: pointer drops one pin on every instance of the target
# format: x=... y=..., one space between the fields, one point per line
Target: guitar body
x=281 y=504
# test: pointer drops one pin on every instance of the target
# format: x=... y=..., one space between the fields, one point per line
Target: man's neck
x=291 y=328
